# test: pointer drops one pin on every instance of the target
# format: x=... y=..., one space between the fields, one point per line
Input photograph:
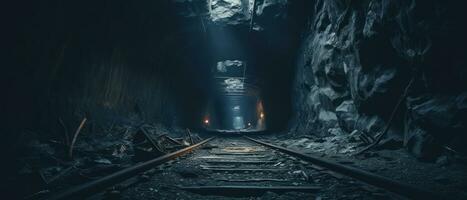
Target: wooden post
x=153 y=143
x=70 y=153
x=189 y=135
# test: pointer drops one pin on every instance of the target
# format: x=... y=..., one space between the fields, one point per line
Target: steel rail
x=371 y=178
x=90 y=188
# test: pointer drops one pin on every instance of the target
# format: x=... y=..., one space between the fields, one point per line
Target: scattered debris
x=100 y=153
x=442 y=161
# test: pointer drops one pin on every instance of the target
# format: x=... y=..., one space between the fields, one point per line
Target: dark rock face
x=357 y=58
x=114 y=63
x=432 y=120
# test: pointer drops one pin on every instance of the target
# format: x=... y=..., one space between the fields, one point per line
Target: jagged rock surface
x=357 y=58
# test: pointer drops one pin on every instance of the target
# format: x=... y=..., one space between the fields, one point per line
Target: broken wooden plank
x=199 y=138
x=252 y=162
x=253 y=180
x=171 y=148
x=318 y=168
x=189 y=135
x=246 y=190
x=161 y=135
x=173 y=140
x=235 y=153
x=243 y=170
x=334 y=174
x=235 y=157
x=153 y=143
x=242 y=149
x=238 y=151
x=218 y=166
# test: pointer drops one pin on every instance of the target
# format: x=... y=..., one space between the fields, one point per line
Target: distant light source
x=249 y=124
x=206 y=121
x=261 y=115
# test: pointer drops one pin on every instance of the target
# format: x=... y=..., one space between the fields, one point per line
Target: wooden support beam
x=81 y=125
x=253 y=180
x=236 y=153
x=243 y=170
x=173 y=140
x=234 y=158
x=247 y=190
x=246 y=162
x=153 y=143
x=189 y=135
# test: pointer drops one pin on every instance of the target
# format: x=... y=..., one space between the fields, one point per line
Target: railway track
x=220 y=168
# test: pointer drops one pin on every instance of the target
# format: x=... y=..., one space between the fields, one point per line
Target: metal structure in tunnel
x=236 y=104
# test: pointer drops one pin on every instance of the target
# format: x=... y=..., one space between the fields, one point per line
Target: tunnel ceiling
x=233 y=12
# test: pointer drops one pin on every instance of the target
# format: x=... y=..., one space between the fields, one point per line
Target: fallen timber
x=90 y=188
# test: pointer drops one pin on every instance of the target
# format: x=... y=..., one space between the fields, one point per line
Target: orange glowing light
x=261 y=115
x=206 y=121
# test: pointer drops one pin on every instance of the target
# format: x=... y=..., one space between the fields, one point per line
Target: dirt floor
x=446 y=175
x=188 y=171
x=96 y=158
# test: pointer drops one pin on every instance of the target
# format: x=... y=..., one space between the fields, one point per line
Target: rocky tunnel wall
x=111 y=62
x=357 y=58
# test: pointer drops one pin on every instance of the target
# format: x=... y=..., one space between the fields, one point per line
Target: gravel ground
x=187 y=172
x=446 y=176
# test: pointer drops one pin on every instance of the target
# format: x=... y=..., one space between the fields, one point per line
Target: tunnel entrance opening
x=251 y=62
x=236 y=104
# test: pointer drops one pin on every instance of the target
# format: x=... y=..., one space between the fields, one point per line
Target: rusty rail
x=87 y=189
x=373 y=179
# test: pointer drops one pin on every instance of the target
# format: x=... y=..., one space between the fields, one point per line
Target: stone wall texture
x=357 y=58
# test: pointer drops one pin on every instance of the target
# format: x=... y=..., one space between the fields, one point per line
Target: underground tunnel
x=234 y=99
